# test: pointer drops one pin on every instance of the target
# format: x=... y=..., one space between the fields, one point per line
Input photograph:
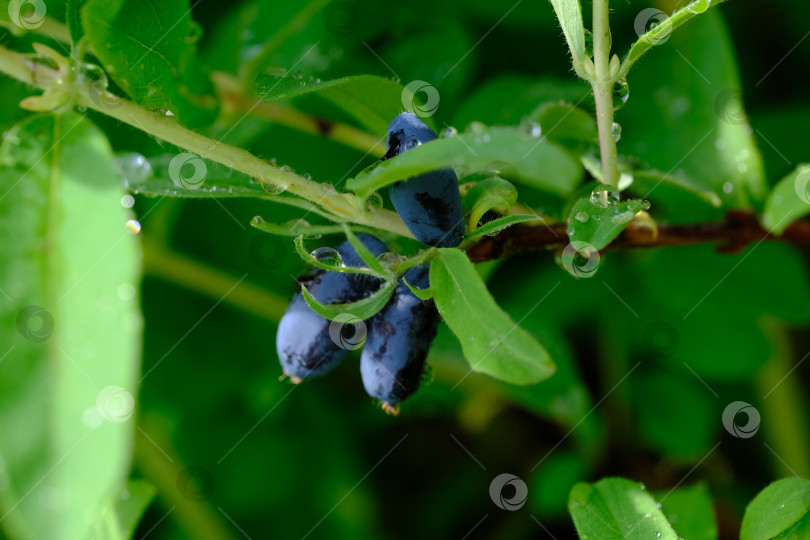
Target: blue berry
x=429 y=204
x=398 y=342
x=309 y=345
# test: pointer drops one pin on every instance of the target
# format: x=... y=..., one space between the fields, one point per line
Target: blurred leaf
x=569 y=14
x=486 y=195
x=690 y=512
x=148 y=49
x=374 y=101
x=74 y=19
x=645 y=181
x=361 y=309
x=776 y=509
x=788 y=200
x=598 y=225
x=617 y=509
x=495 y=226
x=566 y=124
x=492 y=342
x=544 y=165
x=72 y=270
x=696 y=95
x=553 y=481
x=663 y=29
x=139 y=494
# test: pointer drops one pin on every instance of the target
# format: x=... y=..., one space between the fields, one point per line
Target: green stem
x=602 y=85
x=167 y=129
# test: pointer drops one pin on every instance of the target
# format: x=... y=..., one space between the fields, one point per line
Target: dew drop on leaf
x=448 y=132
x=604 y=196
x=327 y=255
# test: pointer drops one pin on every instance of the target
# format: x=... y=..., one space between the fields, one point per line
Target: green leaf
x=495 y=226
x=337 y=267
x=368 y=258
x=491 y=341
x=74 y=20
x=300 y=227
x=566 y=123
x=661 y=32
x=776 y=509
x=71 y=330
x=788 y=200
x=423 y=294
x=374 y=101
x=690 y=512
x=617 y=509
x=130 y=509
x=598 y=225
x=569 y=14
x=148 y=49
x=362 y=309
x=645 y=181
x=486 y=195
x=539 y=163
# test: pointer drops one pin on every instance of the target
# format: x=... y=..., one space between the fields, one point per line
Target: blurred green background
x=640 y=389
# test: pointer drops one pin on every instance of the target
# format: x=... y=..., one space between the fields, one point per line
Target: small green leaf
x=788 y=200
x=368 y=258
x=300 y=227
x=776 y=509
x=617 y=509
x=495 y=226
x=569 y=14
x=486 y=195
x=130 y=509
x=662 y=31
x=149 y=50
x=74 y=19
x=598 y=225
x=362 y=309
x=566 y=123
x=538 y=163
x=690 y=512
x=491 y=341
x=309 y=259
x=423 y=294
x=374 y=101
x=646 y=180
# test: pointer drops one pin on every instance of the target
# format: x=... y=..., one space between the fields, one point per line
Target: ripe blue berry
x=309 y=345
x=398 y=342
x=430 y=203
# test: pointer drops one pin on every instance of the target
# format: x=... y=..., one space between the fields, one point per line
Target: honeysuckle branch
x=602 y=82
x=738 y=230
x=54 y=81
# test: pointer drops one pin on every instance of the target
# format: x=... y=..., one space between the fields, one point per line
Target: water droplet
x=447 y=132
x=133 y=168
x=581 y=217
x=133 y=226
x=621 y=92
x=297 y=75
x=604 y=196
x=589 y=43
x=645 y=205
x=781 y=506
x=168 y=113
x=327 y=255
x=257 y=220
x=286 y=168
x=306 y=176
x=616 y=131
x=658 y=534
x=533 y=128
x=390 y=260
x=81 y=108
x=276 y=188
x=699 y=6
x=476 y=127
x=374 y=202
x=622 y=217
x=127 y=201
x=302 y=83
x=728 y=187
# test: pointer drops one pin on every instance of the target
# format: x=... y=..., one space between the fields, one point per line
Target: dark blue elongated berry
x=398 y=342
x=429 y=204
x=309 y=345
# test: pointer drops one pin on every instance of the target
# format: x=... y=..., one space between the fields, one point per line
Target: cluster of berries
x=396 y=340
